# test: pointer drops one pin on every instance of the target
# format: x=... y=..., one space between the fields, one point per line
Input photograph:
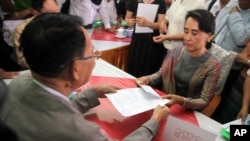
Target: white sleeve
x=103 y=11
x=248 y=72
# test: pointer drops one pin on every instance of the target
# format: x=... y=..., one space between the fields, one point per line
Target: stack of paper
x=132 y=101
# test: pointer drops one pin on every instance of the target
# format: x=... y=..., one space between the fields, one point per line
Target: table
x=114 y=52
x=118 y=126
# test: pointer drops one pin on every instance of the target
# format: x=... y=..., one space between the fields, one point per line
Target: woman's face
x=194 y=38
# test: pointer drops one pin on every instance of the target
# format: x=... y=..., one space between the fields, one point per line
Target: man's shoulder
x=21 y=80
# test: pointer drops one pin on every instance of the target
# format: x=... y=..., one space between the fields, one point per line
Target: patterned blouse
x=202 y=85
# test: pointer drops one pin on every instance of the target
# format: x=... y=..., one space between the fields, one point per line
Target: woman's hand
x=144 y=80
x=141 y=21
x=130 y=22
x=163 y=27
x=160 y=38
x=234 y=9
x=174 y=99
x=243 y=114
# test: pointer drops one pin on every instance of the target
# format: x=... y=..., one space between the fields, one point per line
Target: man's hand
x=103 y=89
x=234 y=9
x=160 y=113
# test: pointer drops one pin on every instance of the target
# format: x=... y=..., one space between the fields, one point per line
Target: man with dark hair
x=61 y=59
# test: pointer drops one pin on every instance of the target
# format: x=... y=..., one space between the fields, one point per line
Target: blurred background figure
x=16 y=9
x=39 y=7
x=88 y=9
x=120 y=6
x=8 y=61
x=168 y=3
x=171 y=28
x=232 y=31
x=236 y=103
x=144 y=55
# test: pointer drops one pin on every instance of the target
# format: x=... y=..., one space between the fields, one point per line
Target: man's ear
x=74 y=70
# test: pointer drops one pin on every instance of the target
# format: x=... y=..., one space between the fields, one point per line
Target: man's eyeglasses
x=96 y=55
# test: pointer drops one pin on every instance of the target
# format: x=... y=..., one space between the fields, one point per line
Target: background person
x=144 y=55
x=88 y=9
x=171 y=28
x=39 y=7
x=233 y=31
x=237 y=102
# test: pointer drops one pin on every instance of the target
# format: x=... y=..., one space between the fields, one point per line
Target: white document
x=133 y=101
x=236 y=122
x=179 y=130
x=148 y=11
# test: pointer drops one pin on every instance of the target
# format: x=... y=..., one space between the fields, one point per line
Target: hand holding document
x=133 y=101
x=149 y=11
x=226 y=127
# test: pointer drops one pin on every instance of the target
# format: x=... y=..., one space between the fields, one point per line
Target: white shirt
x=52 y=91
x=220 y=21
x=60 y=3
x=88 y=11
x=248 y=72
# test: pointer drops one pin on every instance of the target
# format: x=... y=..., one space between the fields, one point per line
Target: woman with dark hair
x=189 y=73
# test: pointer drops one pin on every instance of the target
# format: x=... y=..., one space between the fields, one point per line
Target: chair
x=226 y=59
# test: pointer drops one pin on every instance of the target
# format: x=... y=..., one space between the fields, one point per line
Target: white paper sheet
x=236 y=122
x=149 y=12
x=132 y=101
x=179 y=130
